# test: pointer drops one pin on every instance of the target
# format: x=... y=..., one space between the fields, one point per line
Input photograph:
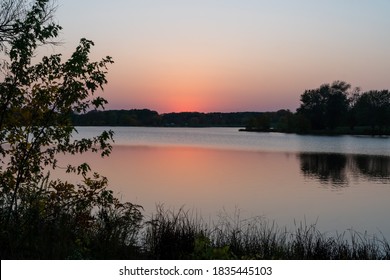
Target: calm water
x=341 y=182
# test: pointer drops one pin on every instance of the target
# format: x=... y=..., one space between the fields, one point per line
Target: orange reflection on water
x=281 y=186
x=206 y=180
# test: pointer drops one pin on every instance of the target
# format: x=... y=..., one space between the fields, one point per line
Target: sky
x=229 y=55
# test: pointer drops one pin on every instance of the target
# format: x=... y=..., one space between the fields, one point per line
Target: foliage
x=333 y=106
x=147 y=117
x=118 y=118
x=331 y=109
x=41 y=217
x=373 y=109
x=10 y=12
x=204 y=250
x=63 y=221
x=327 y=106
x=14 y=11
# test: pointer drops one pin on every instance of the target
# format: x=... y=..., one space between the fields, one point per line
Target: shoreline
x=384 y=134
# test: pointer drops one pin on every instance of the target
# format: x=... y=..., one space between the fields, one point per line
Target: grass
x=178 y=235
x=182 y=235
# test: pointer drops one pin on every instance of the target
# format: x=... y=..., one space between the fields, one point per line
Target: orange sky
x=198 y=55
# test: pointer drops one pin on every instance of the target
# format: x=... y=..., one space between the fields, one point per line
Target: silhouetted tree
x=373 y=109
x=41 y=217
x=12 y=11
x=352 y=119
x=285 y=121
x=327 y=106
x=337 y=104
x=301 y=124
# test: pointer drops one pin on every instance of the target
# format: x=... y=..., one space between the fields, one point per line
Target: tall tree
x=326 y=106
x=36 y=101
x=337 y=104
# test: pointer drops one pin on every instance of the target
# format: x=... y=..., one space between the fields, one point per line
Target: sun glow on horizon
x=231 y=55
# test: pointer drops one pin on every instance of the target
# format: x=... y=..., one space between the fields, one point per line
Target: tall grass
x=170 y=235
x=178 y=235
x=121 y=233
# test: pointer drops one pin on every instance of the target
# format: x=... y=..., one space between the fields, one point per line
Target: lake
x=338 y=182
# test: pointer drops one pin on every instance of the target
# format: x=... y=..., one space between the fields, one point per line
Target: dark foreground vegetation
x=46 y=218
x=121 y=233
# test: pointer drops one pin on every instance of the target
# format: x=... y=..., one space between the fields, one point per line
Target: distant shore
x=282 y=121
x=326 y=132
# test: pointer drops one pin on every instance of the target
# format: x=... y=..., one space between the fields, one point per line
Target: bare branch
x=12 y=11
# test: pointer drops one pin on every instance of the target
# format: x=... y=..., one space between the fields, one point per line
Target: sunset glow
x=230 y=55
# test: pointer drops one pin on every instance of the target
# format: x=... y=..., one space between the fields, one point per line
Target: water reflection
x=375 y=167
x=337 y=170
x=280 y=186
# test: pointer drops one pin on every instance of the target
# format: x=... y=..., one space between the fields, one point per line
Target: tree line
x=332 y=109
x=146 y=117
x=335 y=108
